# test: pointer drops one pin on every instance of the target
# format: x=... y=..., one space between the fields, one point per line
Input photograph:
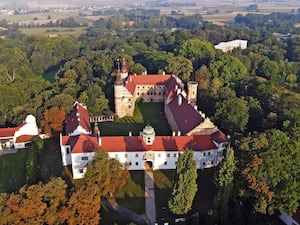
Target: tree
x=232 y=114
x=181 y=67
x=224 y=183
x=228 y=69
x=53 y=120
x=272 y=174
x=198 y=51
x=35 y=204
x=96 y=101
x=107 y=173
x=185 y=186
x=83 y=206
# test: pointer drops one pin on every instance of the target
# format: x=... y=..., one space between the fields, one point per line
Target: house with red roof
x=159 y=152
x=18 y=137
x=180 y=106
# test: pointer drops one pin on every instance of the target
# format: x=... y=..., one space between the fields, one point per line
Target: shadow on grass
x=152 y=113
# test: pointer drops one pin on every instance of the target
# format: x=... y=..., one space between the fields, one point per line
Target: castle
x=191 y=129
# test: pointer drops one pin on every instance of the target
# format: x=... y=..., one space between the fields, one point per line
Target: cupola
x=148 y=134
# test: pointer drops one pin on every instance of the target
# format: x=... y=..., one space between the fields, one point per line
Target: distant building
x=230 y=45
x=191 y=129
x=281 y=36
x=18 y=137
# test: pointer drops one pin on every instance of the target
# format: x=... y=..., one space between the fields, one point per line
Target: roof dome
x=148 y=130
x=30 y=119
x=148 y=134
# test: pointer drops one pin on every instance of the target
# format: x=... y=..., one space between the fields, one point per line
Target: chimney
x=164 y=73
x=179 y=100
x=195 y=107
x=179 y=133
x=173 y=133
x=130 y=134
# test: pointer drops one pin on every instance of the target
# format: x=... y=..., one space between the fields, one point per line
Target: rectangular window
x=80 y=170
x=168 y=155
x=166 y=163
x=136 y=155
x=175 y=155
x=158 y=155
x=129 y=163
x=204 y=164
x=84 y=158
x=208 y=153
x=68 y=150
x=136 y=163
x=126 y=155
x=204 y=154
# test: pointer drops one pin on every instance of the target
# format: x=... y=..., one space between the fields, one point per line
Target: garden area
x=144 y=113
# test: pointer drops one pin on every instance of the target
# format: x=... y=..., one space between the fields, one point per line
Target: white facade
x=79 y=162
x=230 y=45
x=29 y=128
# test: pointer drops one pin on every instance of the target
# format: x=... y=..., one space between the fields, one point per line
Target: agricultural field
x=54 y=31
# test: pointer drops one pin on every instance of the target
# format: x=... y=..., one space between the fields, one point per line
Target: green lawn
x=13 y=167
x=203 y=200
x=131 y=197
x=152 y=113
x=13 y=171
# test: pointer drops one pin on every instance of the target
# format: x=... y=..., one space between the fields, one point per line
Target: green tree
x=198 y=51
x=228 y=69
x=224 y=183
x=232 y=114
x=185 y=186
x=271 y=182
x=181 y=67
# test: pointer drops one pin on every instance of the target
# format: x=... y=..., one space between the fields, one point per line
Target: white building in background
x=230 y=45
x=18 y=137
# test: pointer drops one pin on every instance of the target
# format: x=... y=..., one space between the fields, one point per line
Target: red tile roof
x=185 y=115
x=81 y=143
x=9 y=132
x=88 y=143
x=24 y=138
x=78 y=117
x=219 y=137
x=134 y=80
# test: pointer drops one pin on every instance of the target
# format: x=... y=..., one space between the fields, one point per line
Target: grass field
x=54 y=31
x=13 y=171
x=131 y=197
x=145 y=113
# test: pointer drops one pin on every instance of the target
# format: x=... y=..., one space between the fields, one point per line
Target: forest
x=253 y=95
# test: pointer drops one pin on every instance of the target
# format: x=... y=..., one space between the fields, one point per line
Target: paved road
x=150 y=197
x=150 y=217
x=140 y=219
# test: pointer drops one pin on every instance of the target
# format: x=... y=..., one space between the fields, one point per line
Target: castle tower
x=192 y=92
x=148 y=134
x=124 y=70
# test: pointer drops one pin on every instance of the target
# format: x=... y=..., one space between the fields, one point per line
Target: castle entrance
x=149 y=158
x=148 y=165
